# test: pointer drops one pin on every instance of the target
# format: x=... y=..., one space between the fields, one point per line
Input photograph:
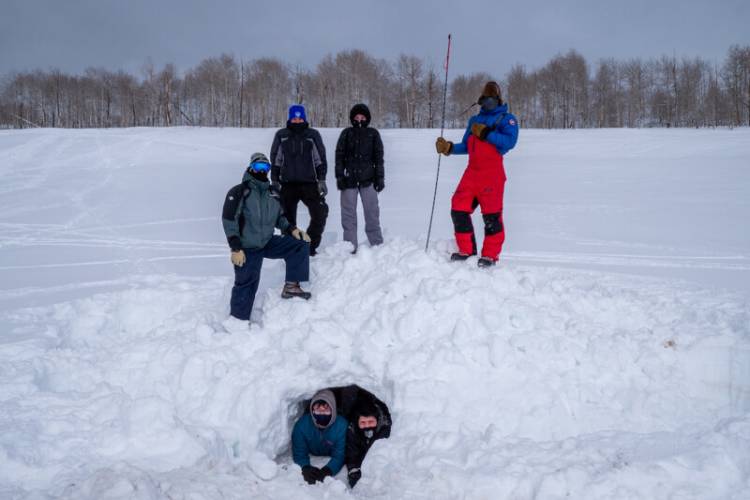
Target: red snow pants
x=482 y=184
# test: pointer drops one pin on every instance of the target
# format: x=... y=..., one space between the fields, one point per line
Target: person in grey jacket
x=249 y=217
x=360 y=171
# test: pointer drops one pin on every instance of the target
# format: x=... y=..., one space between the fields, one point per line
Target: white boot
x=236 y=325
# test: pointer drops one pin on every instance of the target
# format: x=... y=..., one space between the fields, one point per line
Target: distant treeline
x=222 y=91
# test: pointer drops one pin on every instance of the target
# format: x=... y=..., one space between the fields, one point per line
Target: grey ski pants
x=372 y=214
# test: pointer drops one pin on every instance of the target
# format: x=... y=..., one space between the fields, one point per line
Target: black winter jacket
x=359 y=152
x=348 y=400
x=298 y=155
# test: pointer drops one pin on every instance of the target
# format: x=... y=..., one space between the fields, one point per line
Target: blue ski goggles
x=260 y=166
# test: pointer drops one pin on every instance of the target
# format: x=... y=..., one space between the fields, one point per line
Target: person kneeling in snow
x=249 y=217
x=369 y=420
x=319 y=432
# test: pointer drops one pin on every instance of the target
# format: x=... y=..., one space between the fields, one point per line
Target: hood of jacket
x=360 y=109
x=327 y=396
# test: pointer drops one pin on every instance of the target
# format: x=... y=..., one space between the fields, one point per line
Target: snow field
x=608 y=356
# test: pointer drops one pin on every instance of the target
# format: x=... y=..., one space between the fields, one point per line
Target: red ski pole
x=442 y=128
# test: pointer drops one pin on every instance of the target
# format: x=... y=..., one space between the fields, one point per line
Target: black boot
x=458 y=257
x=485 y=262
x=292 y=289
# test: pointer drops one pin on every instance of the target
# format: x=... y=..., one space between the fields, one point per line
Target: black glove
x=322 y=188
x=340 y=183
x=275 y=189
x=354 y=476
x=325 y=472
x=311 y=474
x=379 y=185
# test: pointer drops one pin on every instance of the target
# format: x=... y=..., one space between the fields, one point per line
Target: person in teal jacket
x=249 y=217
x=320 y=432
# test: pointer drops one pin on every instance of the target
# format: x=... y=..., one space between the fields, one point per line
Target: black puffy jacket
x=298 y=155
x=359 y=152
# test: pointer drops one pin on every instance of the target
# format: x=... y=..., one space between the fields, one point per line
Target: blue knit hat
x=297 y=111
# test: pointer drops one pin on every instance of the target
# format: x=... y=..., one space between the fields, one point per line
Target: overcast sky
x=488 y=35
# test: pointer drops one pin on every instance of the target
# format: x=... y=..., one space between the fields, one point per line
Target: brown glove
x=443 y=147
x=238 y=258
x=480 y=130
x=300 y=234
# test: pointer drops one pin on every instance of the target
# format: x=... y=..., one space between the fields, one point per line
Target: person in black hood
x=360 y=170
x=298 y=172
x=369 y=420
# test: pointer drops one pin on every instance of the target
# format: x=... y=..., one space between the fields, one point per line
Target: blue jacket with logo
x=307 y=439
x=504 y=136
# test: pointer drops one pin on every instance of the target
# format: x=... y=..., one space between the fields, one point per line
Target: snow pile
x=519 y=382
x=568 y=372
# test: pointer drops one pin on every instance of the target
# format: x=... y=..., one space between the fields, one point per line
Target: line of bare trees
x=222 y=91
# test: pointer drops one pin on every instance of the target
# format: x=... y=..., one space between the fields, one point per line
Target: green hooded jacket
x=250 y=214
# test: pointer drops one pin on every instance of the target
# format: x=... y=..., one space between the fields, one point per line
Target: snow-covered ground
x=608 y=356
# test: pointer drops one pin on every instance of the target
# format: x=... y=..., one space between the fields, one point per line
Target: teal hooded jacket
x=251 y=214
x=308 y=439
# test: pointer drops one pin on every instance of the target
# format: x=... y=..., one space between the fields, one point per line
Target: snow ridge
x=518 y=382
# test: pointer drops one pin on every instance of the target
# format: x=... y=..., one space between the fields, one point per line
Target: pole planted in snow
x=442 y=128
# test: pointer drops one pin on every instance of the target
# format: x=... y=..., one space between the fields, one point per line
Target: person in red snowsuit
x=489 y=135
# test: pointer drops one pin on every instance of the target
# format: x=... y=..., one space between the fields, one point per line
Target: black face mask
x=321 y=419
x=297 y=127
x=261 y=176
x=488 y=103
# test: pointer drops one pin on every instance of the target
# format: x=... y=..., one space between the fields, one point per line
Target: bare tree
x=409 y=71
x=220 y=91
x=736 y=75
x=607 y=98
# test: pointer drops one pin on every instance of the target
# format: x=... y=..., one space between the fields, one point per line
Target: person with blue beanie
x=298 y=172
x=297 y=111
